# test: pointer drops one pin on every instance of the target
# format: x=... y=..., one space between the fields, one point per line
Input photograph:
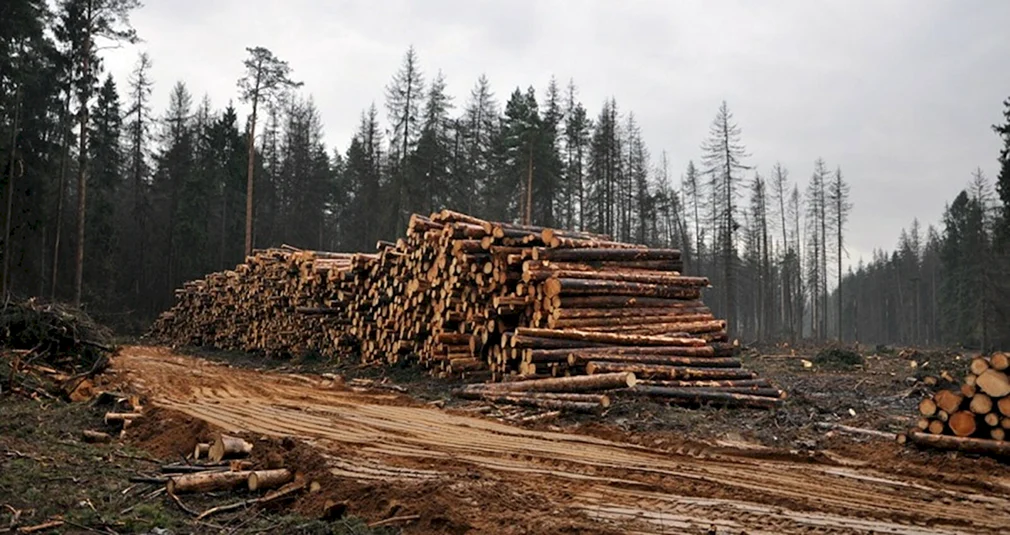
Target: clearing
x=392 y=454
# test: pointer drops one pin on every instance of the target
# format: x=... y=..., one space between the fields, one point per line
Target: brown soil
x=644 y=468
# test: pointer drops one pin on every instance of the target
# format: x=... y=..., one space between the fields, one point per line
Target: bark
x=207 y=481
x=95 y=436
x=964 y=444
x=619 y=301
x=528 y=400
x=588 y=353
x=225 y=446
x=575 y=383
x=659 y=371
x=611 y=338
x=704 y=362
x=572 y=287
x=637 y=276
x=478 y=393
x=699 y=396
x=606 y=255
x=269 y=479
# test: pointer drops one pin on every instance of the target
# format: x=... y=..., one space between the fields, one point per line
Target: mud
x=386 y=456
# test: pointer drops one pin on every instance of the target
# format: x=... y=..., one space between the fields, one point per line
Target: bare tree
x=266 y=77
x=839 y=205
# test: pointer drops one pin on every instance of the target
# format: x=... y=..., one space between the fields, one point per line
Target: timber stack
x=974 y=417
x=516 y=307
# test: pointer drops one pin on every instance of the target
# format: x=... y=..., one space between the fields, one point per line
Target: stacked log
x=482 y=301
x=971 y=416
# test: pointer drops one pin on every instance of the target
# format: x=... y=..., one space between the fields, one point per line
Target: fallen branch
x=278 y=494
x=855 y=430
x=394 y=520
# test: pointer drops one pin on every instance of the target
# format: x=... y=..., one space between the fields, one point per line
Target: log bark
x=225 y=446
x=964 y=444
x=669 y=360
x=658 y=371
x=611 y=255
x=575 y=383
x=532 y=400
x=611 y=338
x=546 y=272
x=269 y=479
x=207 y=481
x=617 y=301
x=583 y=353
x=726 y=383
x=575 y=287
x=123 y=417
x=706 y=396
x=476 y=393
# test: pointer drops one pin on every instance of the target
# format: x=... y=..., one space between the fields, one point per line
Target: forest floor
x=393 y=443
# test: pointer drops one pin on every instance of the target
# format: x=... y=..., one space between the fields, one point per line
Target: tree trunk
x=5 y=273
x=659 y=371
x=207 y=481
x=227 y=446
x=82 y=162
x=250 y=172
x=698 y=396
x=269 y=479
x=575 y=383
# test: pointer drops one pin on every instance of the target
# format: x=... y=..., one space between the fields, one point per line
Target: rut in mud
x=592 y=481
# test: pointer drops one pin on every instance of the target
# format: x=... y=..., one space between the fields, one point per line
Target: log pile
x=974 y=417
x=482 y=301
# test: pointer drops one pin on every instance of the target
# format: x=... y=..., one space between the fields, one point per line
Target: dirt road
x=523 y=480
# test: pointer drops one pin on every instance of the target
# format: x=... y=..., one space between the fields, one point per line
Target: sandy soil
x=388 y=454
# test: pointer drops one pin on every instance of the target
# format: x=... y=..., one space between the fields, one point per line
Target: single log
x=999 y=361
x=554 y=286
x=702 y=396
x=962 y=423
x=948 y=401
x=992 y=419
x=1004 y=406
x=238 y=465
x=659 y=371
x=610 y=255
x=980 y=404
x=269 y=479
x=855 y=430
x=228 y=446
x=679 y=308
x=543 y=403
x=111 y=417
x=600 y=399
x=970 y=379
x=968 y=390
x=535 y=342
x=927 y=407
x=936 y=427
x=201 y=450
x=943 y=416
x=632 y=276
x=704 y=362
x=575 y=383
x=978 y=365
x=207 y=481
x=549 y=355
x=617 y=301
x=97 y=437
x=997 y=433
x=726 y=383
x=995 y=383
x=611 y=338
x=922 y=424
x=965 y=444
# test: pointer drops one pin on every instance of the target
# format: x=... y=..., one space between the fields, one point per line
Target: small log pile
x=483 y=301
x=974 y=417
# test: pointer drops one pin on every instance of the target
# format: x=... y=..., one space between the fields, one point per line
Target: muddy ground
x=394 y=443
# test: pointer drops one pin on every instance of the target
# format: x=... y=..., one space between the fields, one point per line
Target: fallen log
x=284 y=492
x=652 y=371
x=581 y=353
x=269 y=479
x=964 y=444
x=207 y=481
x=201 y=450
x=96 y=437
x=724 y=383
x=706 y=362
x=228 y=446
x=575 y=383
x=490 y=395
x=123 y=417
x=610 y=338
x=700 y=396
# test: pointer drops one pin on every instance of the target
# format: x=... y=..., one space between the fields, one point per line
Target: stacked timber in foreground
x=975 y=417
x=529 y=309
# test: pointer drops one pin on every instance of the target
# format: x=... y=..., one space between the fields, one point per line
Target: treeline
x=164 y=197
x=942 y=286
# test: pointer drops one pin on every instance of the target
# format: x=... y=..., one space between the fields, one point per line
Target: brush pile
x=50 y=341
x=483 y=301
x=973 y=417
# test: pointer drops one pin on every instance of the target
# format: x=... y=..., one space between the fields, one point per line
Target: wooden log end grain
x=269 y=479
x=225 y=446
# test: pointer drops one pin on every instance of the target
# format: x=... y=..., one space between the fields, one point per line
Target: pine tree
x=266 y=77
x=103 y=231
x=403 y=104
x=723 y=161
x=605 y=171
x=478 y=134
x=692 y=186
x=1003 y=178
x=432 y=162
x=779 y=183
x=577 y=130
x=138 y=127
x=838 y=210
x=83 y=21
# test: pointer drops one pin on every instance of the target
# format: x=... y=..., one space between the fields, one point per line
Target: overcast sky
x=900 y=94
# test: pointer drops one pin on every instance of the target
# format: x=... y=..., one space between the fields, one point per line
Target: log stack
x=482 y=301
x=970 y=416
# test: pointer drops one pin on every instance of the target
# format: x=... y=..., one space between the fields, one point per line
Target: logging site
x=364 y=268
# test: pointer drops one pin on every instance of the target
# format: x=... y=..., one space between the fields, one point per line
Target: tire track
x=613 y=482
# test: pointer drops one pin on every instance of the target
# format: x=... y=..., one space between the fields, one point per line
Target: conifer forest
x=114 y=200
x=469 y=267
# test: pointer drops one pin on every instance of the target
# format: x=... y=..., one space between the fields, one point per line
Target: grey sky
x=900 y=94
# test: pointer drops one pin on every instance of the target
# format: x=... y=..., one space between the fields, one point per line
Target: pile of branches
x=60 y=342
